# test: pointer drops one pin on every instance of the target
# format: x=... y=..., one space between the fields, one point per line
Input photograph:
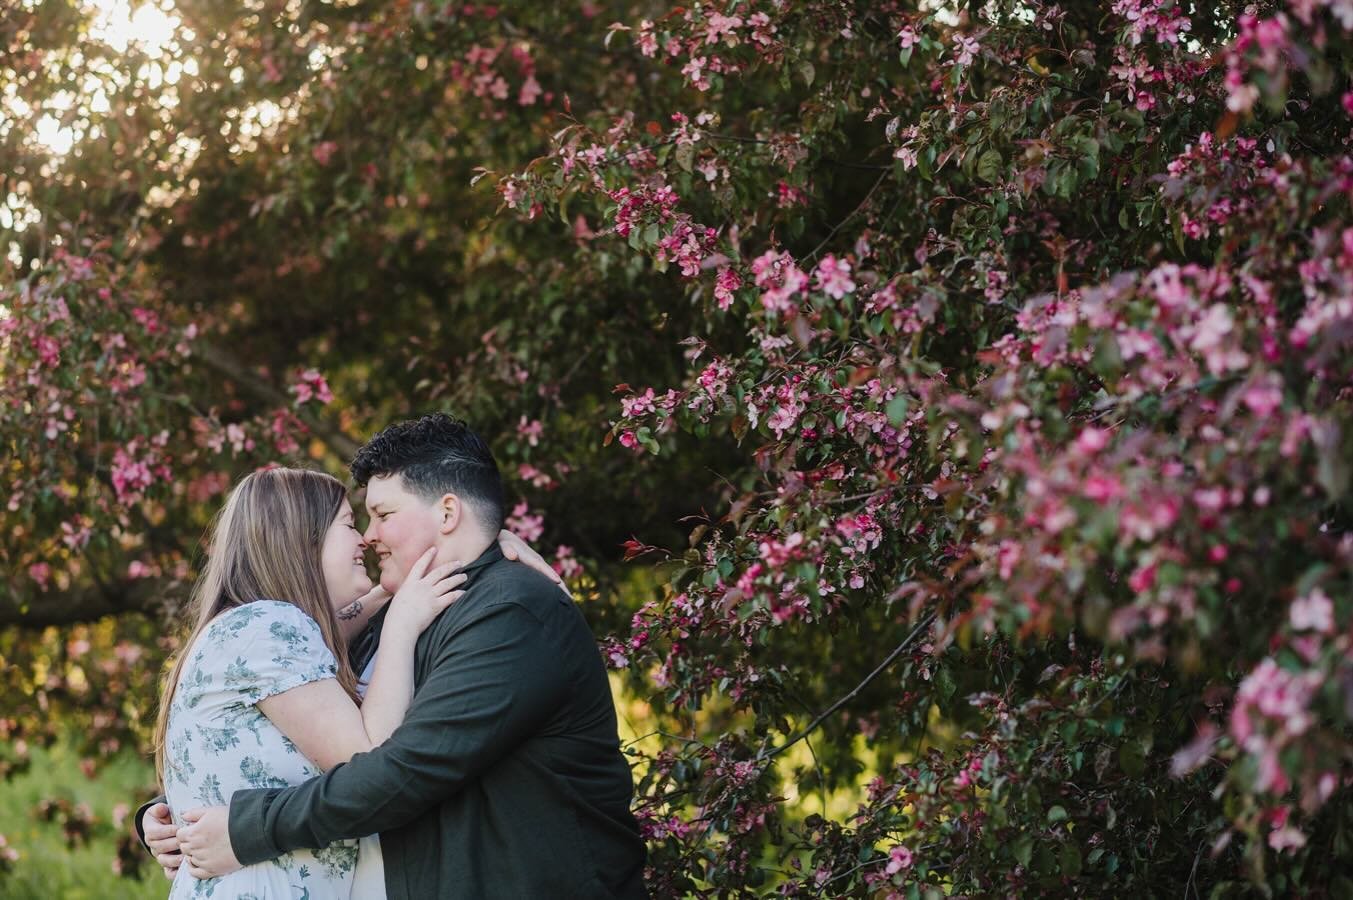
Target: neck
x=464 y=544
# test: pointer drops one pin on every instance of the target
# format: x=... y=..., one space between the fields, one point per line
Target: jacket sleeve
x=136 y=822
x=495 y=687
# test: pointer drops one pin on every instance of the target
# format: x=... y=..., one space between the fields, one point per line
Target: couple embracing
x=449 y=733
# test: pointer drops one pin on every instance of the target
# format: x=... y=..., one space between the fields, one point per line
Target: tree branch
x=220 y=361
x=82 y=603
x=916 y=632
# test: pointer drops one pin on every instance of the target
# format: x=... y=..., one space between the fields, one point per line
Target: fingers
x=194 y=815
x=447 y=582
x=160 y=831
x=508 y=542
x=199 y=873
x=170 y=862
x=160 y=813
x=420 y=567
x=447 y=599
x=167 y=844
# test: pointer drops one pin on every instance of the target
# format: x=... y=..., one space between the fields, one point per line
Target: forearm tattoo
x=351 y=611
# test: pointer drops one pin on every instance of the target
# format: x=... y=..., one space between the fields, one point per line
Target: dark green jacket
x=506 y=777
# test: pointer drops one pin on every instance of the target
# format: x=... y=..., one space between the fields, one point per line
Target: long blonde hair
x=265 y=544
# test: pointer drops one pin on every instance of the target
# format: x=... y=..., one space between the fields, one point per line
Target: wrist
x=398 y=634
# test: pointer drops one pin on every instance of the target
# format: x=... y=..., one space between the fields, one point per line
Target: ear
x=452 y=510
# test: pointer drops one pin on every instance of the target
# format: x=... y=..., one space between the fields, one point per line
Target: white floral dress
x=218 y=742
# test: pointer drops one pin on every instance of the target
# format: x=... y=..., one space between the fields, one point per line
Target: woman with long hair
x=262 y=694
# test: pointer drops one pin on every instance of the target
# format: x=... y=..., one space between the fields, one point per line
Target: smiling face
x=403 y=525
x=341 y=557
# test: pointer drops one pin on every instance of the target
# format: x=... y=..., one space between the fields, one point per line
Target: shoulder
x=264 y=620
x=515 y=584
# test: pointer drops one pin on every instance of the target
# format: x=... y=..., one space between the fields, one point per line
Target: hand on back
x=162 y=839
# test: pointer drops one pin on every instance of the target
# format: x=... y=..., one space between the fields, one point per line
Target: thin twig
x=765 y=756
x=841 y=224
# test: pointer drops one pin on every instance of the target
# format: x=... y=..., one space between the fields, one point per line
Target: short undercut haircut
x=436 y=455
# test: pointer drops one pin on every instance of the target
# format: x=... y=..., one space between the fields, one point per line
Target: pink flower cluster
x=1272 y=700
x=133 y=472
x=688 y=246
x=524 y=524
x=641 y=206
x=780 y=280
x=310 y=385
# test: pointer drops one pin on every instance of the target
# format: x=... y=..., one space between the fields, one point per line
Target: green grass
x=47 y=868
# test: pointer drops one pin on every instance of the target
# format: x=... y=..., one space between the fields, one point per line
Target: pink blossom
x=41 y=573
x=1314 y=612
x=1277 y=695
x=1143 y=579
x=530 y=91
x=137 y=569
x=907 y=38
x=638 y=405
x=647 y=41
x=966 y=48
x=719 y=26
x=524 y=525
x=131 y=476
x=531 y=430
x=565 y=563
x=1008 y=556
x=323 y=152
x=312 y=386
x=781 y=280
x=833 y=277
x=1091 y=440
x=727 y=281
x=1286 y=838
x=1264 y=396
x=899 y=858
x=1102 y=488
x=695 y=72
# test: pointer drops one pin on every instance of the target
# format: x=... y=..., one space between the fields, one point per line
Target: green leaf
x=989 y=166
x=685 y=156
x=1023 y=848
x=1057 y=814
x=1131 y=758
x=944 y=684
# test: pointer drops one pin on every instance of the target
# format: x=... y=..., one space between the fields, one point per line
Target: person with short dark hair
x=506 y=777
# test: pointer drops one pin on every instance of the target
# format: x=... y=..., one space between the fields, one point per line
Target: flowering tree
x=1035 y=321
x=1015 y=338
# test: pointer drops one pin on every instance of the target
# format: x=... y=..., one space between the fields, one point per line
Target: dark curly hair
x=436 y=455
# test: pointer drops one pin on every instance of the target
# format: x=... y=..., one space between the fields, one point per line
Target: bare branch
x=916 y=632
x=84 y=602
